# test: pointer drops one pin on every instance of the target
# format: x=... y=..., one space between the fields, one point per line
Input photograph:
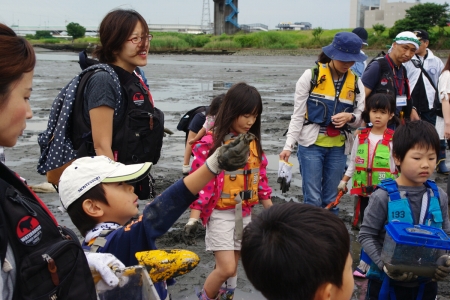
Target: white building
x=366 y=13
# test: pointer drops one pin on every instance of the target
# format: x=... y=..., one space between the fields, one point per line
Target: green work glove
x=232 y=156
x=405 y=276
x=443 y=268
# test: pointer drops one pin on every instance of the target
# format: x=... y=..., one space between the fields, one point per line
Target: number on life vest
x=398 y=214
x=381 y=176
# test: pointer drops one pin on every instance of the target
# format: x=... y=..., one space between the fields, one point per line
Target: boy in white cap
x=97 y=195
x=388 y=75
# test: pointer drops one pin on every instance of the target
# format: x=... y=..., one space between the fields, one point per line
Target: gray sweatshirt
x=372 y=232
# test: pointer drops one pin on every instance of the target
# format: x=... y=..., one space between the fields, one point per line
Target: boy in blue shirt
x=415 y=149
x=99 y=200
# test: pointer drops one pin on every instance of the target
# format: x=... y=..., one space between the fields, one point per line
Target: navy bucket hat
x=346 y=46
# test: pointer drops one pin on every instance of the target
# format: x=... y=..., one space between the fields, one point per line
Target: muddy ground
x=179 y=83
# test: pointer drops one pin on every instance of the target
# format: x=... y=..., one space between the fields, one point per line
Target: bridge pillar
x=225 y=17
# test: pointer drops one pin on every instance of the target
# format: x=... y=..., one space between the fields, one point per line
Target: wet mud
x=179 y=83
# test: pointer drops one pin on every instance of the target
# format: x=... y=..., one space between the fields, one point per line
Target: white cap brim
x=129 y=173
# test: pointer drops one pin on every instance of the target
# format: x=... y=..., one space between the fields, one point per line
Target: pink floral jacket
x=210 y=194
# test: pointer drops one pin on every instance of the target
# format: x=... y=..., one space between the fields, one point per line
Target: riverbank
x=179 y=83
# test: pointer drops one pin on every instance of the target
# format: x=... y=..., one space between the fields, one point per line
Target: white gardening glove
x=342 y=186
x=191 y=226
x=104 y=264
x=284 y=175
x=405 y=276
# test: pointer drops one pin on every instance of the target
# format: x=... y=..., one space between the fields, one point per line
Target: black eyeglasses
x=138 y=39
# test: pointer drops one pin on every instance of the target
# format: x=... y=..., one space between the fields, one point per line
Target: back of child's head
x=420 y=134
x=241 y=99
x=290 y=250
x=380 y=101
x=215 y=104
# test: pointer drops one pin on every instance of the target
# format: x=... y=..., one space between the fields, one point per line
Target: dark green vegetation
x=75 y=30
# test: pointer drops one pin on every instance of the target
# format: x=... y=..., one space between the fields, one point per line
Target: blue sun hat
x=346 y=46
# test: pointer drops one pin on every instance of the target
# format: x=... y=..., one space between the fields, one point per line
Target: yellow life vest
x=243 y=182
x=321 y=103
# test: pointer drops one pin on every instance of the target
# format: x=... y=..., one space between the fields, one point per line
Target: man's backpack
x=50 y=263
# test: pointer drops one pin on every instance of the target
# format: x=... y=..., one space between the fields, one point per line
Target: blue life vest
x=400 y=210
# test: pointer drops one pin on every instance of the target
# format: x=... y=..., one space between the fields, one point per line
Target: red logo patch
x=384 y=81
x=138 y=99
x=29 y=231
x=359 y=160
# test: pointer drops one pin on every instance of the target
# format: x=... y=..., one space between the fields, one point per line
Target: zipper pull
x=14 y=196
x=65 y=236
x=151 y=121
x=51 y=265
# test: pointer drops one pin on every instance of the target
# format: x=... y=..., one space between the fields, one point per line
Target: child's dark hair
x=380 y=101
x=414 y=133
x=241 y=99
x=215 y=104
x=305 y=246
x=79 y=218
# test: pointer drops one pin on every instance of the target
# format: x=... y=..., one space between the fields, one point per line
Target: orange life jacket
x=243 y=182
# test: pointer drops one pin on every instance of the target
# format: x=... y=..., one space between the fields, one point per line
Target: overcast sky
x=328 y=14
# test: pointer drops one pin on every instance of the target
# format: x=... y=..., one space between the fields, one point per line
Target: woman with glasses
x=119 y=116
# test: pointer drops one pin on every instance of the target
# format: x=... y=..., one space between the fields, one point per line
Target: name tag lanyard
x=398 y=88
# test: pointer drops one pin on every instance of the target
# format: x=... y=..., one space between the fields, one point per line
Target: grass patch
x=222 y=45
x=169 y=43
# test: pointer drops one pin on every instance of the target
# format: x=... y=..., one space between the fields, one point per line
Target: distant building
x=366 y=13
x=295 y=26
x=254 y=27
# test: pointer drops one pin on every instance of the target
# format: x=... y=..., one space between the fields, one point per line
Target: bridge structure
x=226 y=17
x=93 y=30
x=54 y=29
x=225 y=21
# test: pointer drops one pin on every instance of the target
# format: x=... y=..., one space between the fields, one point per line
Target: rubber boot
x=441 y=168
x=226 y=294
x=202 y=296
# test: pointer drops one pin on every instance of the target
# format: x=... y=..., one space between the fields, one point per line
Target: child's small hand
x=191 y=141
x=232 y=156
x=405 y=276
x=342 y=186
x=443 y=268
x=189 y=231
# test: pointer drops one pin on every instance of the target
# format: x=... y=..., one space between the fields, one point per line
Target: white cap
x=407 y=37
x=86 y=172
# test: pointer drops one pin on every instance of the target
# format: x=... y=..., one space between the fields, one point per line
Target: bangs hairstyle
x=16 y=58
x=296 y=239
x=79 y=218
x=116 y=27
x=241 y=99
x=419 y=134
x=380 y=101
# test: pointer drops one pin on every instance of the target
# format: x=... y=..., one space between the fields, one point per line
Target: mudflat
x=179 y=83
